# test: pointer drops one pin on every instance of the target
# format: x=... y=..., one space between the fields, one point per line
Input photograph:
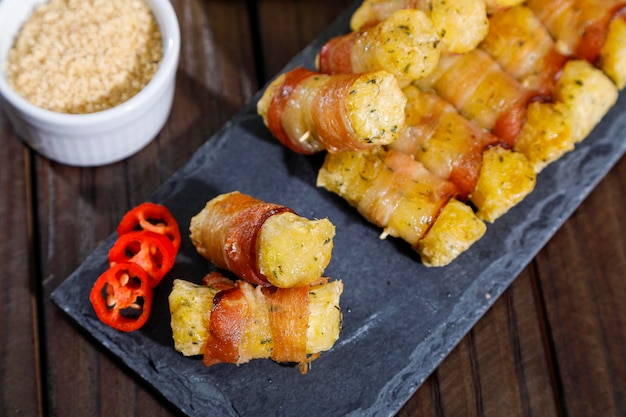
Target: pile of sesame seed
x=84 y=56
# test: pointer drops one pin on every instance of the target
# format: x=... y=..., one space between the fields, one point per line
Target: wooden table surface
x=553 y=345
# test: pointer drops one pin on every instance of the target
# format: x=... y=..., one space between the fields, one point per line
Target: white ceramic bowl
x=96 y=138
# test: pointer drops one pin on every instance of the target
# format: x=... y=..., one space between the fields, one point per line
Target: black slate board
x=401 y=319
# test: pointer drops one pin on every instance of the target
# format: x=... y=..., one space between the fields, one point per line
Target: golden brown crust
x=309 y=112
x=226 y=230
x=405 y=44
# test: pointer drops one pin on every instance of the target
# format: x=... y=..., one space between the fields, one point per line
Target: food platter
x=400 y=318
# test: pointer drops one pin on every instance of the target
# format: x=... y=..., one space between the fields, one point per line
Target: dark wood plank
x=19 y=353
x=287 y=27
x=584 y=295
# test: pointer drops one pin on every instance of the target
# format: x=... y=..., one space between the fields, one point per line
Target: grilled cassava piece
x=234 y=322
x=405 y=45
x=395 y=192
x=460 y=24
x=494 y=178
x=309 y=112
x=263 y=243
x=497 y=101
x=523 y=46
x=574 y=95
x=593 y=30
x=482 y=92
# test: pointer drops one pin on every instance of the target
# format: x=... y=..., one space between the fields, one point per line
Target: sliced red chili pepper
x=153 y=252
x=153 y=217
x=122 y=297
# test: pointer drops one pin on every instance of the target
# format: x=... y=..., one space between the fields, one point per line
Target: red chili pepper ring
x=153 y=217
x=154 y=252
x=122 y=297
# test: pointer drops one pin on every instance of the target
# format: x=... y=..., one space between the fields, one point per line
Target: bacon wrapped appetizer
x=579 y=94
x=263 y=243
x=520 y=43
x=450 y=146
x=393 y=191
x=460 y=24
x=581 y=98
x=593 y=30
x=235 y=322
x=309 y=112
x=446 y=143
x=587 y=93
x=482 y=92
x=506 y=178
x=405 y=45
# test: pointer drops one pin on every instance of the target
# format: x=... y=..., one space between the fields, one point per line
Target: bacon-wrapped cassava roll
x=309 y=112
x=460 y=24
x=581 y=98
x=506 y=178
x=520 y=43
x=405 y=44
x=482 y=92
x=594 y=30
x=445 y=142
x=393 y=191
x=580 y=95
x=234 y=322
x=450 y=146
x=263 y=243
x=587 y=93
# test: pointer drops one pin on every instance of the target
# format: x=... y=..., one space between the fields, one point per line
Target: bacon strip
x=248 y=323
x=389 y=188
x=446 y=143
x=405 y=44
x=280 y=98
x=289 y=319
x=329 y=114
x=579 y=26
x=309 y=112
x=335 y=56
x=593 y=37
x=520 y=43
x=482 y=92
x=226 y=233
x=229 y=318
